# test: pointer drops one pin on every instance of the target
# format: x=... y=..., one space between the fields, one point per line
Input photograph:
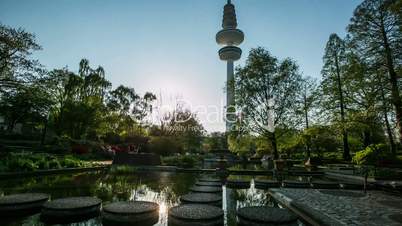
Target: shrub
x=70 y=163
x=30 y=162
x=373 y=155
x=164 y=146
x=20 y=164
x=54 y=164
x=123 y=169
x=184 y=161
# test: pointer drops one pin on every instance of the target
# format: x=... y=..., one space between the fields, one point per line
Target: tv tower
x=230 y=37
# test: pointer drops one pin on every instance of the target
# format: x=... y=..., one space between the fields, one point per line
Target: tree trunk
x=59 y=121
x=367 y=138
x=393 y=79
x=387 y=124
x=346 y=151
x=308 y=146
x=274 y=145
x=390 y=135
x=11 y=125
x=42 y=140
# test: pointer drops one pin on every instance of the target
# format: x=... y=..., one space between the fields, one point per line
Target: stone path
x=347 y=207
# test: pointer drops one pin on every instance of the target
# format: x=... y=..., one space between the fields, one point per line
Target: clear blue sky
x=168 y=46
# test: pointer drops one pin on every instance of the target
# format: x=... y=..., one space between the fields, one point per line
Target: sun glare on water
x=162 y=208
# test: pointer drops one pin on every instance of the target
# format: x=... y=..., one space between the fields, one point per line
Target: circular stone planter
x=195 y=215
x=69 y=210
x=266 y=184
x=22 y=204
x=296 y=184
x=130 y=213
x=239 y=184
x=202 y=198
x=267 y=216
x=211 y=184
x=206 y=189
x=325 y=185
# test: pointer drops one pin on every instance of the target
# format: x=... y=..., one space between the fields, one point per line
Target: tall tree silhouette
x=376 y=33
x=332 y=87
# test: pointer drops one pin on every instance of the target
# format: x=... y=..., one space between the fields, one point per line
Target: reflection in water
x=164 y=188
x=238 y=198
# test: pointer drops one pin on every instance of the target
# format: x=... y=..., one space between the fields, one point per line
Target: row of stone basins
x=201 y=206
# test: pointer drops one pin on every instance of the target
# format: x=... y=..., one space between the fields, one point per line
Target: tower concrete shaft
x=230 y=101
x=230 y=37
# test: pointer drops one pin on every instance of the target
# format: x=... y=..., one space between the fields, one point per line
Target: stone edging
x=49 y=172
x=348 y=177
x=309 y=215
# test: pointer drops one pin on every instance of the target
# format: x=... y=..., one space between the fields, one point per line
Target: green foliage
x=123 y=169
x=290 y=143
x=332 y=86
x=375 y=33
x=164 y=145
x=184 y=126
x=241 y=144
x=31 y=162
x=266 y=93
x=215 y=141
x=19 y=164
x=263 y=146
x=16 y=65
x=332 y=157
x=87 y=108
x=371 y=155
x=323 y=139
x=25 y=105
x=184 y=161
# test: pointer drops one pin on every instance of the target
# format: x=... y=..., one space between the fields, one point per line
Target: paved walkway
x=375 y=208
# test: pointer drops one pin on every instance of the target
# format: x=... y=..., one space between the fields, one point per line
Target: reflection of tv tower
x=230 y=37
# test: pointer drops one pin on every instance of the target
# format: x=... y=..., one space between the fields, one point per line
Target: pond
x=164 y=188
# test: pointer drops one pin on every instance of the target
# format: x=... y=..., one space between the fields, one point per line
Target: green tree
x=241 y=145
x=215 y=141
x=385 y=103
x=266 y=92
x=363 y=91
x=185 y=125
x=322 y=138
x=127 y=110
x=29 y=104
x=375 y=31
x=17 y=68
x=80 y=110
x=306 y=102
x=333 y=73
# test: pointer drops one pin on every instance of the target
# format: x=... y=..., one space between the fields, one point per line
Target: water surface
x=164 y=188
